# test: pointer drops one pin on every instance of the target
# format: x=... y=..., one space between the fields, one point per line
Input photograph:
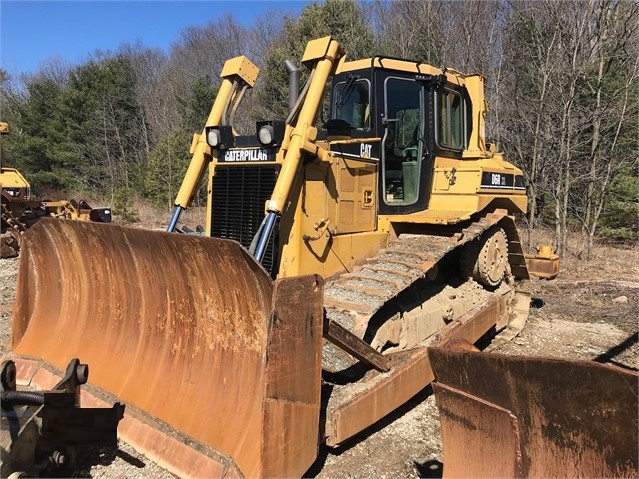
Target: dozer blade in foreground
x=518 y=416
x=189 y=332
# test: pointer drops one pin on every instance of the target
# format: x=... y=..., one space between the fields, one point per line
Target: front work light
x=266 y=134
x=213 y=137
x=271 y=132
x=219 y=137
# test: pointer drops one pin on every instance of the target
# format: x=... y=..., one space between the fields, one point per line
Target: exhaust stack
x=293 y=84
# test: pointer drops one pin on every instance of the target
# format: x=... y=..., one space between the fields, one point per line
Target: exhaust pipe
x=293 y=84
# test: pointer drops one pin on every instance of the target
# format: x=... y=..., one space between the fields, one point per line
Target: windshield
x=351 y=102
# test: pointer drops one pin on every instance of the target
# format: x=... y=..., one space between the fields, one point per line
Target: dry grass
x=148 y=216
x=157 y=218
x=606 y=262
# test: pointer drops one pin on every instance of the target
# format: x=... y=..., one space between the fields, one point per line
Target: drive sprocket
x=486 y=261
x=492 y=261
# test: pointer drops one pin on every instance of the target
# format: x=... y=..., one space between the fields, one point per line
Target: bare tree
x=148 y=65
x=613 y=28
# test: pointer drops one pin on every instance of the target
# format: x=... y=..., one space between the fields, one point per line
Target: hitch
x=41 y=429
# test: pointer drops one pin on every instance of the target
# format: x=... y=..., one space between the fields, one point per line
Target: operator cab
x=414 y=112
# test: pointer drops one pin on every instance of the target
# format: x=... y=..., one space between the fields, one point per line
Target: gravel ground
x=8 y=275
x=591 y=317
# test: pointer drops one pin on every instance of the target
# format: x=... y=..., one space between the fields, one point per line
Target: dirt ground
x=589 y=312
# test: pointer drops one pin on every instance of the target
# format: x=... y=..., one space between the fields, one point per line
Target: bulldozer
x=336 y=252
x=19 y=209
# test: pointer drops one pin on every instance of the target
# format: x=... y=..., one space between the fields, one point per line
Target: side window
x=450 y=120
x=403 y=140
x=351 y=103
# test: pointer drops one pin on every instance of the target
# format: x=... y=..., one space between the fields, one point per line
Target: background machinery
x=19 y=209
x=333 y=257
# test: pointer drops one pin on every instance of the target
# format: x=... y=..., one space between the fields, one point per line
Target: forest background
x=562 y=92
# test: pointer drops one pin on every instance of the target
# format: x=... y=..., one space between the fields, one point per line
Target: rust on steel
x=355 y=346
x=352 y=409
x=534 y=417
x=139 y=429
x=546 y=268
x=190 y=330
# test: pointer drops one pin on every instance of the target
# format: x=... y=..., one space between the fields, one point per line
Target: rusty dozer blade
x=188 y=330
x=520 y=416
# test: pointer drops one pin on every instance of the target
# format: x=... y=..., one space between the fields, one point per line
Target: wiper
x=347 y=91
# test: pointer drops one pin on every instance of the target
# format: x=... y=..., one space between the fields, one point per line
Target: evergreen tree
x=167 y=164
x=103 y=146
x=36 y=131
x=196 y=105
x=620 y=217
x=343 y=19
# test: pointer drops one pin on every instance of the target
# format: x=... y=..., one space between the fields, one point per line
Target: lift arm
x=238 y=74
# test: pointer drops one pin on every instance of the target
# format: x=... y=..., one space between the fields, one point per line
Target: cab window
x=351 y=102
x=450 y=120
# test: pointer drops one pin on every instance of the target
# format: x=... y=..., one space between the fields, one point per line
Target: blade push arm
x=237 y=75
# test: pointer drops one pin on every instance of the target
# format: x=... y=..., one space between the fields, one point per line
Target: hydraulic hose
x=21 y=398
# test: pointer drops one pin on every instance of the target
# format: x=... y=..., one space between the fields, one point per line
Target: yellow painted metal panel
x=339 y=253
x=316 y=49
x=355 y=196
x=443 y=178
x=346 y=180
x=242 y=67
x=346 y=214
x=12 y=178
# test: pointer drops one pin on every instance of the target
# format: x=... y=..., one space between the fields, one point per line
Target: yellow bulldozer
x=335 y=254
x=19 y=209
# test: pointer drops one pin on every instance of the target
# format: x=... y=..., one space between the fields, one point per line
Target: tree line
x=561 y=86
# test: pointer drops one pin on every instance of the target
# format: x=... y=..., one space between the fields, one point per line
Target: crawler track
x=353 y=299
x=406 y=298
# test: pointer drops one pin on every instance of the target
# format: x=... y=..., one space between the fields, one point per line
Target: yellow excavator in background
x=334 y=256
x=19 y=209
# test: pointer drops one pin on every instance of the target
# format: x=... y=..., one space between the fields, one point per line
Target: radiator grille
x=238 y=198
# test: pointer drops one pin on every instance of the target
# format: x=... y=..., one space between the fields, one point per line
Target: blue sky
x=32 y=32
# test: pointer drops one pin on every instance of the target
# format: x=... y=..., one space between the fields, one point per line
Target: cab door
x=406 y=162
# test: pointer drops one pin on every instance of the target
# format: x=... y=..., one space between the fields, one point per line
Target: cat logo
x=365 y=150
x=246 y=155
